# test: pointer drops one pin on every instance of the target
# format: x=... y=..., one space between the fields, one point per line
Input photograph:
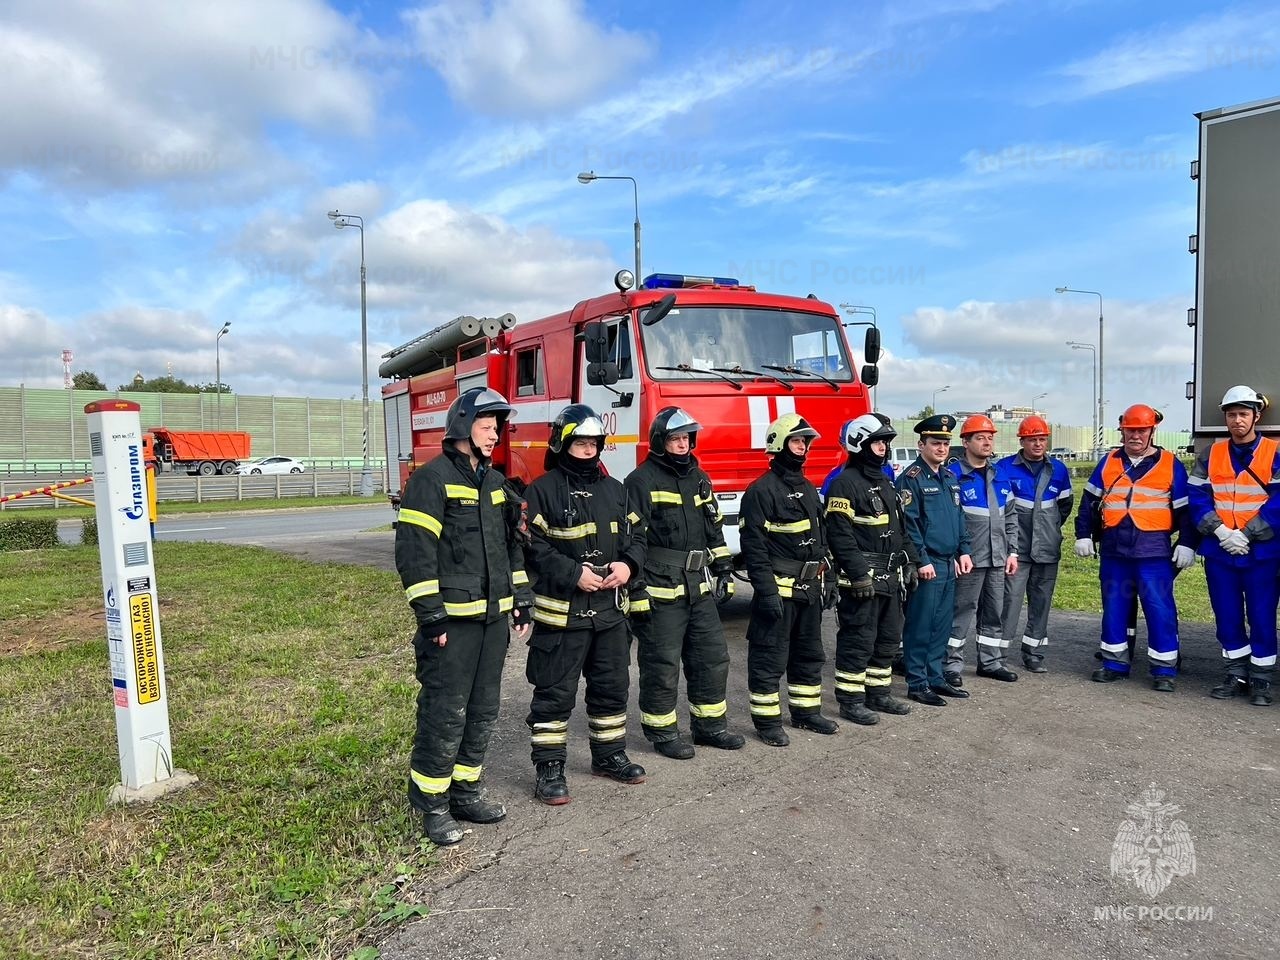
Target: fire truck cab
x=733 y=357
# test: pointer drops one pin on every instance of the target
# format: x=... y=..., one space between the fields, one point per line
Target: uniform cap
x=938 y=426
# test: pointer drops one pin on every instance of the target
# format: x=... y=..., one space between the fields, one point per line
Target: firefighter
x=583 y=559
x=935 y=524
x=686 y=564
x=459 y=556
x=876 y=565
x=1135 y=499
x=992 y=524
x=1042 y=499
x=784 y=548
x=1234 y=490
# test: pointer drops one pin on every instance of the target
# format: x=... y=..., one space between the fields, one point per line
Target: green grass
x=1078 y=589
x=212 y=506
x=291 y=697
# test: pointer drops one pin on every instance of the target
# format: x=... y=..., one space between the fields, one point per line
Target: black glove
x=520 y=616
x=830 y=594
x=911 y=578
x=863 y=588
x=723 y=589
x=769 y=608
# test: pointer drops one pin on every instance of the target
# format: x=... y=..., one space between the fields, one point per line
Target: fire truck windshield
x=728 y=339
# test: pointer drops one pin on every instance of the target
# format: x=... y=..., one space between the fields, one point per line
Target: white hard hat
x=1242 y=395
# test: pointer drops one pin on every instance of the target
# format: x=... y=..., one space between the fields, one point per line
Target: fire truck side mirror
x=658 y=310
x=870 y=374
x=596 y=338
x=602 y=374
x=871 y=346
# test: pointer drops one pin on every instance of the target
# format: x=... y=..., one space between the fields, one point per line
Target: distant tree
x=87 y=380
x=212 y=387
x=160 y=385
x=926 y=411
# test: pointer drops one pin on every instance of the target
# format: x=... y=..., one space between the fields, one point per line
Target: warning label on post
x=146 y=663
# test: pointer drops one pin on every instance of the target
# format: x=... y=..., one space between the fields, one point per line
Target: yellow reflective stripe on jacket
x=465 y=774
x=840 y=505
x=702 y=501
x=550 y=619
x=430 y=784
x=498 y=496
x=420 y=519
x=550 y=603
x=664 y=496
x=799 y=526
x=519 y=577
x=633 y=517
x=719 y=553
x=423 y=588
x=458 y=491
x=506 y=604
x=571 y=533
x=613 y=526
x=881 y=521
x=640 y=606
x=475 y=608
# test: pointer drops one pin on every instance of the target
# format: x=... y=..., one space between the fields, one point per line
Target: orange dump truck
x=203 y=452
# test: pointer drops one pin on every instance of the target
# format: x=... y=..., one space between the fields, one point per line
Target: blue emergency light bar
x=675 y=281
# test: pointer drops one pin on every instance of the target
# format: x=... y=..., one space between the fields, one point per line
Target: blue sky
x=167 y=168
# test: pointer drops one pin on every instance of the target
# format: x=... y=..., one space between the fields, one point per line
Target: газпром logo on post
x=1153 y=848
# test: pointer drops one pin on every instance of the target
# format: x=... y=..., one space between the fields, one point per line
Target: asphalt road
x=283 y=529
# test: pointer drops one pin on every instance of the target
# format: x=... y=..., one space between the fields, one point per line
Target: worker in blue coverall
x=1133 y=503
x=1234 y=489
x=935 y=523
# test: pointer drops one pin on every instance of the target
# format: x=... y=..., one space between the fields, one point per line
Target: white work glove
x=1183 y=557
x=1084 y=547
x=1233 y=541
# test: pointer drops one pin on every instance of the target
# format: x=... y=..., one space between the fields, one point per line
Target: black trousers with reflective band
x=676 y=633
x=868 y=634
x=557 y=658
x=461 y=689
x=792 y=645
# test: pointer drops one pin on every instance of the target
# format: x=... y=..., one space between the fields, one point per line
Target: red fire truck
x=733 y=357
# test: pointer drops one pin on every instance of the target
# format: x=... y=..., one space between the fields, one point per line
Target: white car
x=272 y=465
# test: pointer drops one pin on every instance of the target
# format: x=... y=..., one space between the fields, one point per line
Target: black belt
x=690 y=560
x=800 y=570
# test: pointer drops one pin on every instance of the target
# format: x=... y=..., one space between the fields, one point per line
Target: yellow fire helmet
x=784 y=428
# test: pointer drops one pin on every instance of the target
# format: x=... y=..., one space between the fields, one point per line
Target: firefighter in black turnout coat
x=876 y=561
x=675 y=513
x=584 y=563
x=460 y=560
x=785 y=551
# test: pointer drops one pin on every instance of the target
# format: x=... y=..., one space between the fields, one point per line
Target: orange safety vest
x=1237 y=498
x=1149 y=502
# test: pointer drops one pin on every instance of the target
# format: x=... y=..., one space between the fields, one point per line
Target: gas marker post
x=132 y=611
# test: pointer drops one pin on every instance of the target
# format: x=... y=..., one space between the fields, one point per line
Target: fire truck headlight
x=624 y=280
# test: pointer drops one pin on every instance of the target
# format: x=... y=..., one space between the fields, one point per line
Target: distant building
x=999 y=413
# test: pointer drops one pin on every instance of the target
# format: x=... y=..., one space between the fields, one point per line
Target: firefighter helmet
x=473 y=403
x=1242 y=395
x=1140 y=416
x=784 y=428
x=1034 y=427
x=976 y=423
x=576 y=421
x=860 y=431
x=669 y=421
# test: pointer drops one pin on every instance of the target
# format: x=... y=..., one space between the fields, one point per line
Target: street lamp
x=1093 y=366
x=590 y=175
x=1039 y=396
x=341 y=220
x=217 y=366
x=852 y=308
x=934 y=406
x=1098 y=428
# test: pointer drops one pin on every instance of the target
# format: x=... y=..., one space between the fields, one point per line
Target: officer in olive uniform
x=935 y=524
x=460 y=560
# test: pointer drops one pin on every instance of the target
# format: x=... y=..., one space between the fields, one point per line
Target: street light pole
x=590 y=175
x=852 y=308
x=341 y=220
x=1040 y=396
x=217 y=366
x=934 y=406
x=1098 y=430
x=1093 y=366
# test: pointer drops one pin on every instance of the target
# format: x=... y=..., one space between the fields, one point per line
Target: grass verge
x=169 y=507
x=291 y=697
x=1078 y=589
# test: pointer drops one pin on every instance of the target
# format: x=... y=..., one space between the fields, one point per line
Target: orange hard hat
x=977 y=423
x=1139 y=416
x=1034 y=427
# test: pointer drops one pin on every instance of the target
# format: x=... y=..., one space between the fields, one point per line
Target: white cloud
x=1231 y=39
x=519 y=57
x=151 y=92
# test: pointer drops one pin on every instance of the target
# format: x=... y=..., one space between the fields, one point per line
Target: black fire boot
x=676 y=748
x=774 y=736
x=855 y=708
x=1234 y=686
x=618 y=766
x=720 y=739
x=881 y=701
x=551 y=786
x=1260 y=692
x=814 y=723
x=438 y=824
x=467 y=801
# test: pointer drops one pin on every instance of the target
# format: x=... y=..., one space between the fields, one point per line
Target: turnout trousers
x=461 y=689
x=792 y=645
x=1150 y=580
x=557 y=658
x=1035 y=583
x=980 y=594
x=924 y=637
x=675 y=633
x=868 y=634
x=1239 y=591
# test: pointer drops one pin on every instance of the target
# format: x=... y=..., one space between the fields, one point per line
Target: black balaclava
x=784 y=461
x=585 y=468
